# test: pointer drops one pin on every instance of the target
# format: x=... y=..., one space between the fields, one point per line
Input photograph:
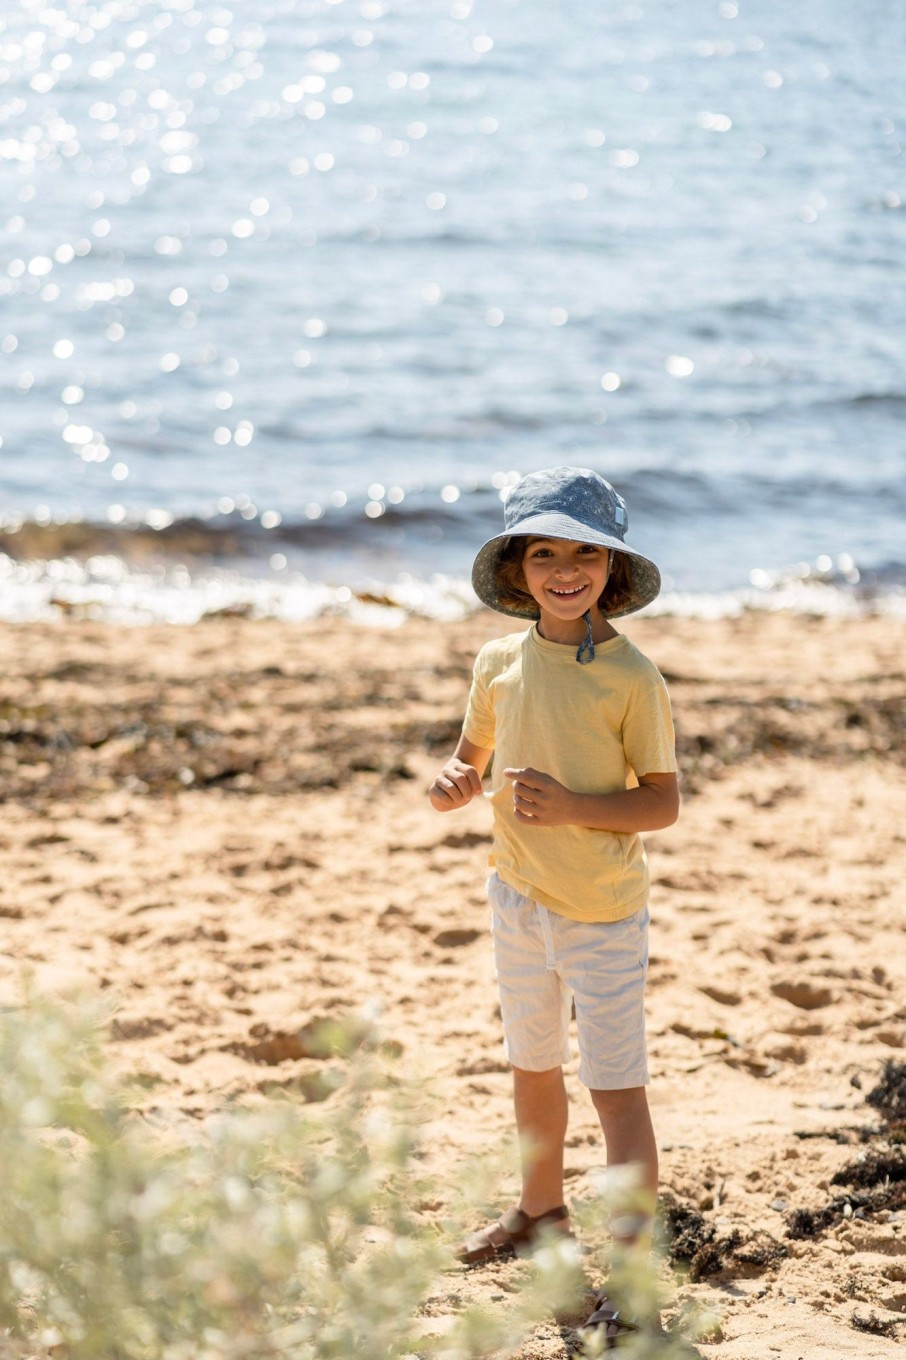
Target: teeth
x=577 y=591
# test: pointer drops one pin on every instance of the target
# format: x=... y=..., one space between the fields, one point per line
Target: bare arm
x=539 y=800
x=460 y=779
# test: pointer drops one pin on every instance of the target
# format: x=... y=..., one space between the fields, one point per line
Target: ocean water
x=291 y=292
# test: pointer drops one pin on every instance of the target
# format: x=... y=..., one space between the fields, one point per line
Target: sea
x=292 y=292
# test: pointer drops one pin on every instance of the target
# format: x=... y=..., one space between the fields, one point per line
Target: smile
x=566 y=591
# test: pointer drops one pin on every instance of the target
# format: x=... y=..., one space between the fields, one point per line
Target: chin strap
x=586 y=650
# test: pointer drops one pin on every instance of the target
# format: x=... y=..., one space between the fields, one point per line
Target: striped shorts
x=545 y=962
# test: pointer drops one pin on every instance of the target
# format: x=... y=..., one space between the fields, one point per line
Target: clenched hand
x=456 y=785
x=540 y=800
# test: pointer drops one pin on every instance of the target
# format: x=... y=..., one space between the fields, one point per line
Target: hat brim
x=644 y=576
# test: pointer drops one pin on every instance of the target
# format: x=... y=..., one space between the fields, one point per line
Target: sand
x=225 y=829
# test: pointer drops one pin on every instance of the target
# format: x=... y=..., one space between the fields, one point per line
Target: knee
x=550 y=1074
x=619 y=1105
x=541 y=1085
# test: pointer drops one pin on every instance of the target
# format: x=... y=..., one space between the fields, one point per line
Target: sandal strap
x=522 y=1227
x=609 y=1317
x=513 y=1229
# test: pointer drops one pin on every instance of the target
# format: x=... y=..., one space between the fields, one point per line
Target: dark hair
x=511 y=587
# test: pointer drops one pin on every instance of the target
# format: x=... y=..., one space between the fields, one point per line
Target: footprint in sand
x=722 y=995
x=455 y=939
x=141 y=1028
x=466 y=840
x=282 y=862
x=807 y=996
x=482 y=1067
x=784 y=1050
x=275 y=1048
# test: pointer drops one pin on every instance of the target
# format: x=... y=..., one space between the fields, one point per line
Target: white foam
x=817 y=599
x=106 y=588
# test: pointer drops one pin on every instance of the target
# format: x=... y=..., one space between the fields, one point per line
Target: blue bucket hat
x=576 y=504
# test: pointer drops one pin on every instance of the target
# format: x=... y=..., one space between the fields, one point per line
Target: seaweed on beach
x=719 y=731
x=803 y=1224
x=87 y=726
x=159 y=738
x=883 y=1196
x=889 y=1096
x=760 y=1250
x=877 y=1167
x=691 y=1238
x=694 y=1242
x=877 y=1175
x=888 y=1327
x=846 y=1137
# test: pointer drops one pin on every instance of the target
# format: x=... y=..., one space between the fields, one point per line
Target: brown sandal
x=513 y=1234
x=608 y=1319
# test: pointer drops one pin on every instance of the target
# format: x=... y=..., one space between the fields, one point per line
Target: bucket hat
x=571 y=503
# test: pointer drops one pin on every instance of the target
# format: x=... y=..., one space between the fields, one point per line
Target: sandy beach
x=225 y=828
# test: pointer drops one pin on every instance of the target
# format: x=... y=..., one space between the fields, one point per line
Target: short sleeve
x=478 y=725
x=648 y=737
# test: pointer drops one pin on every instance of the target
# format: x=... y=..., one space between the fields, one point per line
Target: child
x=580 y=727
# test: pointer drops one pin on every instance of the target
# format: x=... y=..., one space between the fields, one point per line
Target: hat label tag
x=620 y=515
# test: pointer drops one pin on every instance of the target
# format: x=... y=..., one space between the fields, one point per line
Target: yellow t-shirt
x=594 y=728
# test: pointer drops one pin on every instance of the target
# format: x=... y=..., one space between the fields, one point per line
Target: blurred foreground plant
x=280 y=1232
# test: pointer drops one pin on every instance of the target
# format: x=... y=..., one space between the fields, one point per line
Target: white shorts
x=544 y=962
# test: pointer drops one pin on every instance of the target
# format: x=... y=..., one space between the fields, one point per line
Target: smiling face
x=564 y=578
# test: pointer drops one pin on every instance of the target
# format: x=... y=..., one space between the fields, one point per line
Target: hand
x=456 y=785
x=539 y=800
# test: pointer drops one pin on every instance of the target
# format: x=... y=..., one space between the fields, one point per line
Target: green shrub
x=287 y=1231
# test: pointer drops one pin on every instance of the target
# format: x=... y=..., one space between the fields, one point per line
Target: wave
x=108 y=589
x=664 y=498
x=888 y=402
x=883 y=400
x=135 y=542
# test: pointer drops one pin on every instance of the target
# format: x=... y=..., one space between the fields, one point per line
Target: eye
x=539 y=552
x=589 y=549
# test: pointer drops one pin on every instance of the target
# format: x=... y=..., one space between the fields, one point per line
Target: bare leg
x=626 y=1124
x=540 y=1103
